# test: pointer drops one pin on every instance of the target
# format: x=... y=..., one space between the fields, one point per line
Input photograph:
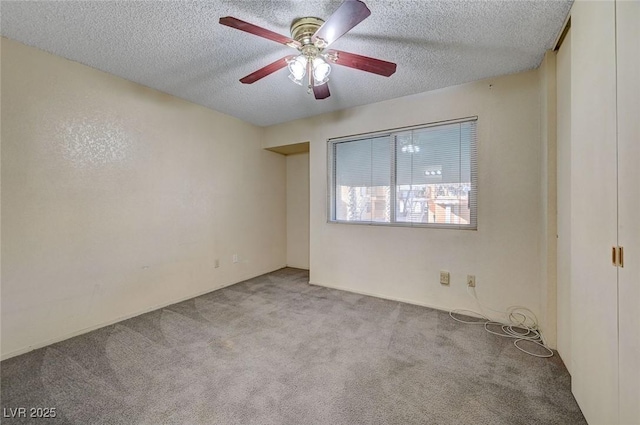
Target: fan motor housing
x=302 y=29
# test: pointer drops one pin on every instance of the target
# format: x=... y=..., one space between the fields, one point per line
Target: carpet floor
x=276 y=350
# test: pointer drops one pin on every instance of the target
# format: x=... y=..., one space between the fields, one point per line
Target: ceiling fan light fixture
x=310 y=36
x=410 y=148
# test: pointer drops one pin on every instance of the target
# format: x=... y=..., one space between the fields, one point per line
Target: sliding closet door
x=563 y=273
x=628 y=52
x=594 y=295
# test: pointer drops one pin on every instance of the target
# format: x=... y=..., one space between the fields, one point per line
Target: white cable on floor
x=520 y=324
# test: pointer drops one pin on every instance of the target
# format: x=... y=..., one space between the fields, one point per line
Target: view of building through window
x=435 y=203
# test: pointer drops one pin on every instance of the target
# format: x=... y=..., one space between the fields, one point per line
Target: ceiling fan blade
x=322 y=91
x=363 y=63
x=267 y=70
x=259 y=31
x=348 y=15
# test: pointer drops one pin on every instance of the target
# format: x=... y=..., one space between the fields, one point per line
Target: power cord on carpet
x=520 y=324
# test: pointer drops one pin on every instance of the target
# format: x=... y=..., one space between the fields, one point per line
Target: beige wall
x=404 y=263
x=117 y=199
x=298 y=210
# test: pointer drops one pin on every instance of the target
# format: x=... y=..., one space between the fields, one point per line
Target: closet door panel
x=594 y=297
x=563 y=84
x=628 y=66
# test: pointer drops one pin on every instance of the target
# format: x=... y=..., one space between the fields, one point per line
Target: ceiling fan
x=311 y=37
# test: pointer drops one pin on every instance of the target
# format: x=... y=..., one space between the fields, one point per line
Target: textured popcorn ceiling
x=179 y=47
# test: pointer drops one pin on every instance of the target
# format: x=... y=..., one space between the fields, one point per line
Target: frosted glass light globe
x=298 y=67
x=321 y=70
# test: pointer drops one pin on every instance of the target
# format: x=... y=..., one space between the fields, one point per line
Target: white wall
x=117 y=199
x=298 y=210
x=404 y=263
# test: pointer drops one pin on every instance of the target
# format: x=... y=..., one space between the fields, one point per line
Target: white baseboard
x=298 y=267
x=121 y=318
x=384 y=297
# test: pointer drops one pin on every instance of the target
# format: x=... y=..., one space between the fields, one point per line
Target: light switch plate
x=444 y=278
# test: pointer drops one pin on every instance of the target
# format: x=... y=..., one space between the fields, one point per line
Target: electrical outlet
x=216 y=263
x=471 y=280
x=444 y=278
x=235 y=258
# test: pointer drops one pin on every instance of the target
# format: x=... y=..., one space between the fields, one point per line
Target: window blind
x=363 y=180
x=423 y=176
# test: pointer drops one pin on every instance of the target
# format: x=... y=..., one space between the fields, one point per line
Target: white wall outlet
x=471 y=280
x=216 y=263
x=444 y=278
x=235 y=258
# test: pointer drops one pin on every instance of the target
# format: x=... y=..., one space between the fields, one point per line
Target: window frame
x=331 y=175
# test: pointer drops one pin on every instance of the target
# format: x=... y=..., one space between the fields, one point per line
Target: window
x=422 y=176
